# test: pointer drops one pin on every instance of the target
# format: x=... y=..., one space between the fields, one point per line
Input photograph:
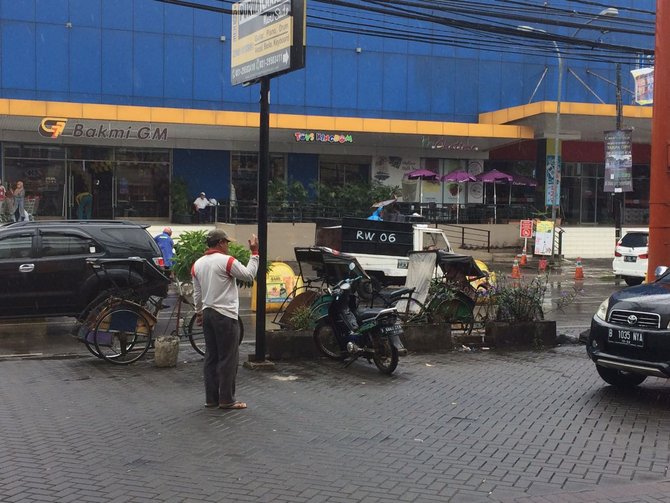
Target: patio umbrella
x=459 y=176
x=421 y=175
x=494 y=176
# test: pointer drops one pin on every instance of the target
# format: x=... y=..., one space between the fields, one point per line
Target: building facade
x=119 y=98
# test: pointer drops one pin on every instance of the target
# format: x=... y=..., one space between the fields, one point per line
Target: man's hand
x=198 y=319
x=253 y=244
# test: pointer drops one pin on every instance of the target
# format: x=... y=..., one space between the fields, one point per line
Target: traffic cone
x=542 y=265
x=579 y=270
x=524 y=258
x=516 y=272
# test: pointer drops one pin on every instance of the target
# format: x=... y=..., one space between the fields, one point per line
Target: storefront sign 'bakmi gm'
x=268 y=38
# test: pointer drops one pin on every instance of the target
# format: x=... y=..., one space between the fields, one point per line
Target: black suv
x=44 y=269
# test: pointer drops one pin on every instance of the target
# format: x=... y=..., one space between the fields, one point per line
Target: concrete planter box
x=427 y=337
x=291 y=344
x=526 y=334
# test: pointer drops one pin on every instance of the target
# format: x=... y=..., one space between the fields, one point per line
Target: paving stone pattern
x=478 y=426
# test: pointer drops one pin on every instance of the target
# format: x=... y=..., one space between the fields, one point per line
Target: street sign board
x=268 y=38
x=618 y=161
x=526 y=229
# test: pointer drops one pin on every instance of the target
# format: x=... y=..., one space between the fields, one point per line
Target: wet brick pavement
x=463 y=427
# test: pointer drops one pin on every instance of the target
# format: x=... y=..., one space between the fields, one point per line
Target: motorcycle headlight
x=602 y=309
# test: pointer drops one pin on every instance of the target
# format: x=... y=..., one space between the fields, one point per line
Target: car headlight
x=602 y=309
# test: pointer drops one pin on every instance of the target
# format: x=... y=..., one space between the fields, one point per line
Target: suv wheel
x=633 y=280
x=619 y=378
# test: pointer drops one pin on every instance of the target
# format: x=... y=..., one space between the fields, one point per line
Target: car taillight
x=644 y=255
x=617 y=254
x=159 y=261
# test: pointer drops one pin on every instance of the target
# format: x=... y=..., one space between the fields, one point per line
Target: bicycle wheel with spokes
x=409 y=309
x=122 y=334
x=196 y=335
x=457 y=312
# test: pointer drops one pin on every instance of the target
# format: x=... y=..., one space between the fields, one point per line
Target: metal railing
x=468 y=236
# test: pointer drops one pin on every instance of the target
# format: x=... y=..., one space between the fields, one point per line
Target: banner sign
x=644 y=85
x=618 y=161
x=268 y=38
x=553 y=185
x=544 y=233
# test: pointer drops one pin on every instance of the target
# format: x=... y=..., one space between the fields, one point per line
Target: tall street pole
x=659 y=183
x=556 y=185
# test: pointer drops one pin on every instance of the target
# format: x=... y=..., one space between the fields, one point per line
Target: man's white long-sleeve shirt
x=214 y=284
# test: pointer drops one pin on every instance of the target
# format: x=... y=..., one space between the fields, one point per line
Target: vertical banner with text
x=553 y=183
x=618 y=161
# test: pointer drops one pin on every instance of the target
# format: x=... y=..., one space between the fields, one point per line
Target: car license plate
x=392 y=330
x=629 y=258
x=627 y=337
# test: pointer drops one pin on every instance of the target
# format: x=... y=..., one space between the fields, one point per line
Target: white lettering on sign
x=365 y=236
x=384 y=237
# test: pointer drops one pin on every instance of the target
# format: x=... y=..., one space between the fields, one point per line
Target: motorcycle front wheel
x=385 y=354
x=326 y=340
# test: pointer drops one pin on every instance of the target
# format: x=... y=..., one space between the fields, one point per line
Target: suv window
x=635 y=239
x=54 y=245
x=133 y=239
x=16 y=246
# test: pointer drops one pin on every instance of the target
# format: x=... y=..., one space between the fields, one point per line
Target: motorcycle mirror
x=660 y=271
x=352 y=266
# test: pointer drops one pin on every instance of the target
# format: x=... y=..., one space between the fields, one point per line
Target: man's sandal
x=234 y=405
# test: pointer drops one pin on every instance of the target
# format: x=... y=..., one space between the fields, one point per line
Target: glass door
x=89 y=191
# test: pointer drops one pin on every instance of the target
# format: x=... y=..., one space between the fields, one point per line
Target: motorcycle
x=345 y=331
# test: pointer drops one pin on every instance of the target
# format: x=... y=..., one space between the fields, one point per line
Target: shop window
x=90 y=153
x=43 y=181
x=34 y=151
x=244 y=173
x=143 y=155
x=341 y=173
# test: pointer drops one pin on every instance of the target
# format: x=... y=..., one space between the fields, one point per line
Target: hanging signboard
x=553 y=186
x=618 y=161
x=644 y=85
x=268 y=38
x=544 y=233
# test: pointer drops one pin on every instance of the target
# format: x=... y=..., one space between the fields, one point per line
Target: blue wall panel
x=52 y=58
x=22 y=10
x=318 y=73
x=204 y=171
x=178 y=83
x=117 y=14
x=117 y=70
x=465 y=101
x=208 y=70
x=18 y=55
x=418 y=84
x=52 y=11
x=148 y=16
x=345 y=75
x=86 y=13
x=511 y=84
x=178 y=20
x=370 y=82
x=489 y=95
x=443 y=82
x=210 y=24
x=395 y=82
x=148 y=65
x=85 y=63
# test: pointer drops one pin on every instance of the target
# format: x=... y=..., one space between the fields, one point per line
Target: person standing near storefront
x=84 y=205
x=19 y=194
x=3 y=196
x=217 y=303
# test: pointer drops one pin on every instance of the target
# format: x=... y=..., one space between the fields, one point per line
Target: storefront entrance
x=90 y=182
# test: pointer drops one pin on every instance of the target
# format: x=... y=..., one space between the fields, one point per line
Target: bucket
x=166 y=351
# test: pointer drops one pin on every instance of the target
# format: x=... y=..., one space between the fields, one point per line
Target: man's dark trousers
x=222 y=336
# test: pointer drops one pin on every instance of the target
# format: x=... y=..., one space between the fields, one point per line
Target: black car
x=630 y=333
x=45 y=271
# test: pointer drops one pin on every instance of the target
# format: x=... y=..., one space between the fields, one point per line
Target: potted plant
x=519 y=320
x=180 y=202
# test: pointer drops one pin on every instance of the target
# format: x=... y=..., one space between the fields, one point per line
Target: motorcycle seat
x=367 y=314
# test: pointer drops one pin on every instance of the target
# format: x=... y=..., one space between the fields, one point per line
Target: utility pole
x=618 y=197
x=659 y=186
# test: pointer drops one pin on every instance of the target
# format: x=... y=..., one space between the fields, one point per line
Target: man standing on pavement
x=217 y=306
x=166 y=244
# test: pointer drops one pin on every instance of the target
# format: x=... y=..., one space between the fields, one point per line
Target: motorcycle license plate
x=392 y=330
x=626 y=337
x=629 y=258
